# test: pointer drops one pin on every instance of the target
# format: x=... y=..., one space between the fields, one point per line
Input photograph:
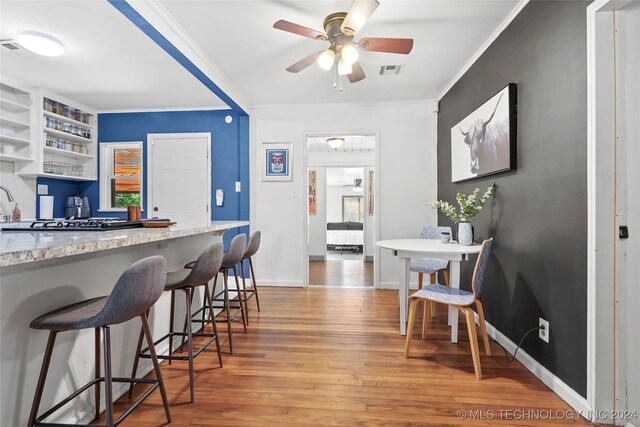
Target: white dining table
x=408 y=249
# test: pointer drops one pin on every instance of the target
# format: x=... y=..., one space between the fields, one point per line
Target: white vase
x=465 y=233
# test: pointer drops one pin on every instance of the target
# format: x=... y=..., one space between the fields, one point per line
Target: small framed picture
x=276 y=161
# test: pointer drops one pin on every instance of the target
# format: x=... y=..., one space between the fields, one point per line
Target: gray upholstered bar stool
x=252 y=248
x=204 y=269
x=137 y=289
x=231 y=258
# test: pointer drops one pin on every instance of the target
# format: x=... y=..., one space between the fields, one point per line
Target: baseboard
x=559 y=387
x=316 y=257
x=394 y=285
x=281 y=283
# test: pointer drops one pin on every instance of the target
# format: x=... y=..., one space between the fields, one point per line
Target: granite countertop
x=20 y=247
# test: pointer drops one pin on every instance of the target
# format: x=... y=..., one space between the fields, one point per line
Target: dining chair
x=460 y=299
x=431 y=266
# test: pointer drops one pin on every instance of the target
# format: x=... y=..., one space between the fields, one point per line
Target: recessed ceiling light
x=40 y=44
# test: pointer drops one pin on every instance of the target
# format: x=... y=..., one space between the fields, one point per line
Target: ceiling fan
x=340 y=29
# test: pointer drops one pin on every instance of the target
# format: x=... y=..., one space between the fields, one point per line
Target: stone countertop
x=20 y=247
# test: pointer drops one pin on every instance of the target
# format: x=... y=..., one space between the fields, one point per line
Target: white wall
x=334 y=201
x=407 y=153
x=22 y=189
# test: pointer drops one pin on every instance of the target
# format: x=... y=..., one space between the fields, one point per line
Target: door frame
x=603 y=307
x=151 y=137
x=376 y=201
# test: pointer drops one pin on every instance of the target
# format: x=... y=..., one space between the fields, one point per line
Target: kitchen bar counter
x=42 y=271
x=19 y=247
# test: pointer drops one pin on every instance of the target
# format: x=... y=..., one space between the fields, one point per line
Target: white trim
x=163 y=109
x=556 y=385
x=153 y=136
x=503 y=25
x=103 y=185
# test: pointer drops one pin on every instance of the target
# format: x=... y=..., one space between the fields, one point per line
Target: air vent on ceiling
x=12 y=47
x=389 y=70
x=10 y=44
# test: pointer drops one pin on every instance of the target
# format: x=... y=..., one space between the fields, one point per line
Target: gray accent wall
x=538 y=215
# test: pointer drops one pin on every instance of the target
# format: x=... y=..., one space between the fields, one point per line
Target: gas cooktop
x=90 y=224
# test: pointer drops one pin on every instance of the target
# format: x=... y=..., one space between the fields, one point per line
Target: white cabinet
x=65 y=147
x=16 y=129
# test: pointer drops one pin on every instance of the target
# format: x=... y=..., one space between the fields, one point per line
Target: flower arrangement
x=470 y=206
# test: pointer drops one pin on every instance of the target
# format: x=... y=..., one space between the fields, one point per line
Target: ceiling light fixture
x=326 y=59
x=40 y=44
x=335 y=142
x=350 y=54
x=344 y=67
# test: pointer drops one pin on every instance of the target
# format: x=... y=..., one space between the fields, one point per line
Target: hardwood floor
x=341 y=273
x=322 y=356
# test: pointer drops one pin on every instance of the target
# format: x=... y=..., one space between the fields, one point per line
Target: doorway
x=179 y=182
x=341 y=211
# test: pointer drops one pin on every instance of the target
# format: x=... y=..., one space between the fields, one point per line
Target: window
x=352 y=208
x=120 y=175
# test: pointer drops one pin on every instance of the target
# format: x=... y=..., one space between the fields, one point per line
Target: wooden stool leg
x=97 y=373
x=483 y=328
x=108 y=385
x=412 y=317
x=434 y=279
x=473 y=341
x=255 y=286
x=446 y=276
x=425 y=319
x=420 y=281
x=156 y=365
x=208 y=300
x=46 y=360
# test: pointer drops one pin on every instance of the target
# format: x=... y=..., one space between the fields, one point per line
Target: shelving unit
x=52 y=145
x=16 y=130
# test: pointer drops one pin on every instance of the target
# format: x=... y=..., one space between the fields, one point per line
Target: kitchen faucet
x=6 y=190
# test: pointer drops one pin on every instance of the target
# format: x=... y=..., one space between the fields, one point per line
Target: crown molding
x=163 y=110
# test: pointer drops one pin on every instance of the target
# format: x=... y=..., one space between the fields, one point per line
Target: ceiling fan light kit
x=340 y=29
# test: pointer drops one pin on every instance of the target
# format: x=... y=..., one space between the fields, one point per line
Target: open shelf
x=14 y=124
x=70 y=178
x=16 y=159
x=67 y=120
x=14 y=107
x=67 y=153
x=14 y=140
x=67 y=136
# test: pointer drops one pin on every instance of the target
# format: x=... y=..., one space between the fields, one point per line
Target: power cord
x=506 y=353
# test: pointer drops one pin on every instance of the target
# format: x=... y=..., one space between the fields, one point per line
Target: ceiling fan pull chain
x=335 y=73
x=340 y=79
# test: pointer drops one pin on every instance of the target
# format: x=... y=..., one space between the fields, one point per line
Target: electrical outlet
x=43 y=189
x=238 y=186
x=543 y=333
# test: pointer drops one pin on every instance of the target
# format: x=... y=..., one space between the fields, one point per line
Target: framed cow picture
x=484 y=142
x=276 y=160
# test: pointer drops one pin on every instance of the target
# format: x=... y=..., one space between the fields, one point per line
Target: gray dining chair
x=460 y=299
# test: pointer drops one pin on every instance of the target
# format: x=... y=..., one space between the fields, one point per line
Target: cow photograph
x=483 y=143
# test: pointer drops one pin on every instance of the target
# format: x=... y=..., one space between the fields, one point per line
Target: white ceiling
x=239 y=37
x=351 y=144
x=110 y=64
x=343 y=176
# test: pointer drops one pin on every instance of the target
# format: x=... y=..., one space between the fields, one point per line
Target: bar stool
x=252 y=248
x=137 y=289
x=203 y=270
x=231 y=258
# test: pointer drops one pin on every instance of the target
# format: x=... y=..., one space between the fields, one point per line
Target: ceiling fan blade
x=299 y=29
x=357 y=74
x=304 y=62
x=388 y=45
x=358 y=15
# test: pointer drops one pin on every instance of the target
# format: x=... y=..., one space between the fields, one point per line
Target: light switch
x=43 y=189
x=238 y=186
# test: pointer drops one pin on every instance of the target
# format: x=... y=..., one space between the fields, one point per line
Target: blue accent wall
x=59 y=189
x=229 y=154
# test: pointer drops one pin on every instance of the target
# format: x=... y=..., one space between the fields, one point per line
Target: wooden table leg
x=403 y=293
x=453 y=312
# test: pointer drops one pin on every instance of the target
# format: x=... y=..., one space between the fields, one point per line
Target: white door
x=180 y=177
x=628 y=212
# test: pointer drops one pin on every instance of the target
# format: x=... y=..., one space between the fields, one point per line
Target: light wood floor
x=341 y=273
x=322 y=356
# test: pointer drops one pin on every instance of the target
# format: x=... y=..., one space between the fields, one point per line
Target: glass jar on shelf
x=67 y=111
x=58 y=125
x=57 y=108
x=77 y=115
x=85 y=117
x=75 y=147
x=48 y=105
x=84 y=149
x=86 y=133
x=50 y=123
x=66 y=127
